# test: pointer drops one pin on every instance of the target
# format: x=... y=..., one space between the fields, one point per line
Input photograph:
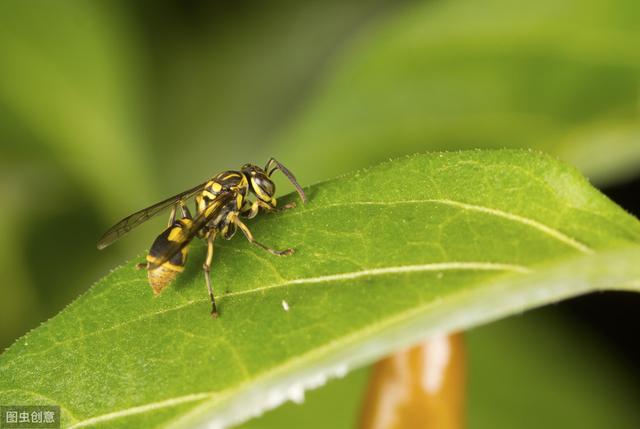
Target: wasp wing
x=127 y=224
x=188 y=233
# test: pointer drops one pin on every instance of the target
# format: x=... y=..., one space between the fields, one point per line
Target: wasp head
x=260 y=183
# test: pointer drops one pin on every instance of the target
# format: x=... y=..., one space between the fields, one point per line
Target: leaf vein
x=552 y=232
x=325 y=347
x=438 y=266
x=142 y=409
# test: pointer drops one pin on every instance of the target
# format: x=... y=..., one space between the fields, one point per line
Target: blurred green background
x=109 y=106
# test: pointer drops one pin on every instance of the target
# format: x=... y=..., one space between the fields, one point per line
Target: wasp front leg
x=269 y=208
x=250 y=210
x=249 y=236
x=211 y=236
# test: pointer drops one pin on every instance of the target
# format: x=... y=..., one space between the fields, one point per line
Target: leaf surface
x=385 y=256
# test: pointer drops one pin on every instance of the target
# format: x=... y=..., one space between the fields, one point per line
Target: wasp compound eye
x=263 y=187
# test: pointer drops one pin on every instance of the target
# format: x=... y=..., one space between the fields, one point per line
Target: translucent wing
x=213 y=208
x=139 y=217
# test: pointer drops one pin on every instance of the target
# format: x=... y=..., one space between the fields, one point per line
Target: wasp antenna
x=288 y=174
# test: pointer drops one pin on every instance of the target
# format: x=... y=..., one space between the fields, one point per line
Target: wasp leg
x=186 y=214
x=271 y=209
x=172 y=216
x=250 y=210
x=252 y=240
x=207 y=268
x=183 y=208
x=273 y=165
x=142 y=265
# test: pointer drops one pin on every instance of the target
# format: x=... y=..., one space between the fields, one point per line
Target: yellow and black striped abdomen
x=160 y=276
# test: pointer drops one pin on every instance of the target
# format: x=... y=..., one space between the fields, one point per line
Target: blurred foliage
x=559 y=76
x=71 y=102
x=107 y=106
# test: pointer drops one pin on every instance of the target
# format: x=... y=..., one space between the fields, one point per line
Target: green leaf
x=386 y=256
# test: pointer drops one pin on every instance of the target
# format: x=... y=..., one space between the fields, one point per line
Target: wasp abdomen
x=161 y=275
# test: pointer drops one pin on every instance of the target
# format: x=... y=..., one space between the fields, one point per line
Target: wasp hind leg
x=207 y=269
x=249 y=235
x=172 y=216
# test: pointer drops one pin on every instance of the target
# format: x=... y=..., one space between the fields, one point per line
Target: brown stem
x=421 y=387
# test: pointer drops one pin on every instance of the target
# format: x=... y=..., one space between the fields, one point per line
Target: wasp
x=220 y=202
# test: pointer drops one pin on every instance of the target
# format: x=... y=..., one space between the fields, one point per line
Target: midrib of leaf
x=362 y=341
x=378 y=271
x=503 y=297
x=171 y=402
x=388 y=270
x=445 y=266
x=334 y=367
x=343 y=276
